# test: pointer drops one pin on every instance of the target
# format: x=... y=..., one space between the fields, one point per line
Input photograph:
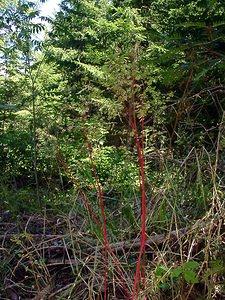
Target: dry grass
x=62 y=257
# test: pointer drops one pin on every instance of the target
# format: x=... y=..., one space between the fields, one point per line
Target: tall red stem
x=140 y=151
x=97 y=221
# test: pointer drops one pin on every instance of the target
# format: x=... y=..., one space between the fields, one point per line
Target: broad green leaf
x=161 y=270
x=191 y=265
x=176 y=272
x=190 y=276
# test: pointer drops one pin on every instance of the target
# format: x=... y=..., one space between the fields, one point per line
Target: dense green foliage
x=102 y=65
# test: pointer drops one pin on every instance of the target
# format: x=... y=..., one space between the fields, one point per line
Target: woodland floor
x=52 y=258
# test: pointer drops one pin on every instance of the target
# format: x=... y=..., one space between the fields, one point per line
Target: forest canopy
x=112 y=126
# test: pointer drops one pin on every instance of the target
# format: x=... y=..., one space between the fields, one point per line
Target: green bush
x=115 y=168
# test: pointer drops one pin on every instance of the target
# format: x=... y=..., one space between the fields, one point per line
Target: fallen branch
x=151 y=242
x=119 y=246
x=155 y=240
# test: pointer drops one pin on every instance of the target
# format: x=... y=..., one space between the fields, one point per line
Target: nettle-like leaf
x=191 y=265
x=161 y=271
x=190 y=276
x=175 y=273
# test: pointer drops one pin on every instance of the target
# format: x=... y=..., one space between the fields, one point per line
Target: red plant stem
x=144 y=213
x=79 y=189
x=103 y=214
x=140 y=151
x=128 y=297
x=143 y=226
x=131 y=114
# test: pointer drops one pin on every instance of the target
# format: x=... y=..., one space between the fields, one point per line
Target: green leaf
x=190 y=276
x=161 y=271
x=191 y=265
x=212 y=3
x=176 y=273
x=164 y=286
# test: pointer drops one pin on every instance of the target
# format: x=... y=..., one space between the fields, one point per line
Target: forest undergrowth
x=60 y=255
x=112 y=150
